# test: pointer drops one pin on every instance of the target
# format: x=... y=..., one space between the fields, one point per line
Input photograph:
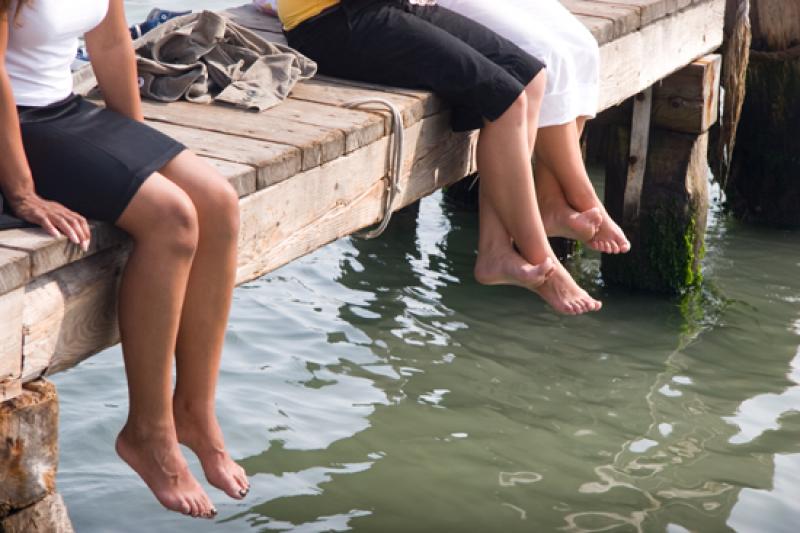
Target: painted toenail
x=244 y=492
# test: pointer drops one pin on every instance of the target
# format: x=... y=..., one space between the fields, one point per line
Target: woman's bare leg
x=204 y=319
x=559 y=218
x=507 y=186
x=558 y=149
x=163 y=224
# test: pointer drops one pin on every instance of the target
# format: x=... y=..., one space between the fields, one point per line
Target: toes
x=614 y=247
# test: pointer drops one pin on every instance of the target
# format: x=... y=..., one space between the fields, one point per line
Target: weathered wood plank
x=275 y=162
x=601 y=28
x=47 y=253
x=650 y=10
x=431 y=104
x=637 y=161
x=243 y=178
x=71 y=313
x=360 y=128
x=624 y=18
x=15 y=268
x=337 y=94
x=688 y=100
x=11 y=305
x=639 y=59
x=317 y=144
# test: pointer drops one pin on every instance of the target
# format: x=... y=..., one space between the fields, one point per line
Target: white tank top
x=42 y=43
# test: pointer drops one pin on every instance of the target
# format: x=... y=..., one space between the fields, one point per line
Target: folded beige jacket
x=205 y=57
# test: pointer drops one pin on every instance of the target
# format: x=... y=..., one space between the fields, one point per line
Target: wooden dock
x=308 y=171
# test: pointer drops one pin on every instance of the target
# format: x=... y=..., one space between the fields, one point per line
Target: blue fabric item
x=154 y=18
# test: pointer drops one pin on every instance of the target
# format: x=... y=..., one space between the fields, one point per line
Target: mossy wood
x=667 y=235
x=764 y=182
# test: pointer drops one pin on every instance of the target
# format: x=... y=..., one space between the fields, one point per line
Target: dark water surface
x=374 y=386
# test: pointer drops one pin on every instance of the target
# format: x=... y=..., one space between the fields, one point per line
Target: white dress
x=548 y=31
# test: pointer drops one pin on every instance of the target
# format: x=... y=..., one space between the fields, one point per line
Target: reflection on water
x=374 y=386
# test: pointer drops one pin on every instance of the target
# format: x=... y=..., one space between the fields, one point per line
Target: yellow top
x=293 y=12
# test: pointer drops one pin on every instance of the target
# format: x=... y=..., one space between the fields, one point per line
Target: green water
x=374 y=386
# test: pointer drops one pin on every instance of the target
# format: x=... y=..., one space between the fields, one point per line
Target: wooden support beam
x=11 y=305
x=688 y=100
x=667 y=235
x=46 y=516
x=764 y=181
x=28 y=448
x=637 y=160
x=656 y=181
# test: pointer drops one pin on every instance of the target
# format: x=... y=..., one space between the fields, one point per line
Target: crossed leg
x=565 y=188
x=509 y=213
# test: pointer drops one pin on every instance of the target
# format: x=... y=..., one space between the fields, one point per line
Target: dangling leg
x=163 y=224
x=507 y=185
x=204 y=318
x=558 y=148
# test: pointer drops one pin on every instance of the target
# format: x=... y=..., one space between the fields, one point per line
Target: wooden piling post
x=28 y=462
x=764 y=183
x=656 y=179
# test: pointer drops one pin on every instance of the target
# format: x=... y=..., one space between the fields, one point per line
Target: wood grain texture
x=638 y=60
x=46 y=516
x=688 y=100
x=274 y=162
x=71 y=313
x=28 y=448
x=15 y=268
x=11 y=306
x=637 y=161
x=776 y=24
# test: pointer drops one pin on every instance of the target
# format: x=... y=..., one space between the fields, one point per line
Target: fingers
x=74 y=226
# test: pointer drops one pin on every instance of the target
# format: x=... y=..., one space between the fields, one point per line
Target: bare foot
x=203 y=436
x=610 y=239
x=510 y=268
x=159 y=462
x=565 y=296
x=570 y=224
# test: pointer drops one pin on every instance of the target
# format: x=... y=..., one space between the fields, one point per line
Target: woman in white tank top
x=548 y=31
x=65 y=160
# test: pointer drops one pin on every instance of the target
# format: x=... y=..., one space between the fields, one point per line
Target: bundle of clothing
x=205 y=57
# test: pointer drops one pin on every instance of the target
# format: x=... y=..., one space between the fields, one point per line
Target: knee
x=177 y=227
x=519 y=107
x=220 y=209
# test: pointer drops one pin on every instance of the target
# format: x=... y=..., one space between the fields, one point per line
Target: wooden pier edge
x=309 y=172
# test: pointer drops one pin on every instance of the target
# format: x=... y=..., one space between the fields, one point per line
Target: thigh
x=212 y=194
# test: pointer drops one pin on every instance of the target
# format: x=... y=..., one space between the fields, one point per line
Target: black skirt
x=393 y=42
x=89 y=159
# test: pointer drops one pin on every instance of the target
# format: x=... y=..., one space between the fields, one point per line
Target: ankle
x=142 y=430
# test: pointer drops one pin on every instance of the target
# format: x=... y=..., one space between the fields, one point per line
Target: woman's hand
x=53 y=217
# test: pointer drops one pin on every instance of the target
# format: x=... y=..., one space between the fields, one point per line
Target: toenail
x=244 y=492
